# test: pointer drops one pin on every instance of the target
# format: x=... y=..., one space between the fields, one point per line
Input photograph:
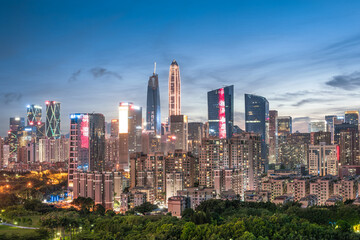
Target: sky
x=302 y=55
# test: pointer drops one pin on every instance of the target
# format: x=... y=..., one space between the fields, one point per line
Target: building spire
x=154 y=68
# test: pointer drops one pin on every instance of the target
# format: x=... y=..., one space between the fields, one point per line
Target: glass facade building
x=34 y=113
x=257 y=120
x=221 y=112
x=52 y=124
x=153 y=116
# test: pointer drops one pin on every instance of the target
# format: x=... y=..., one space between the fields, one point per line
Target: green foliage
x=145 y=208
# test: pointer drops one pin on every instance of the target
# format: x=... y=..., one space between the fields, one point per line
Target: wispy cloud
x=74 y=76
x=346 y=82
x=99 y=72
x=12 y=97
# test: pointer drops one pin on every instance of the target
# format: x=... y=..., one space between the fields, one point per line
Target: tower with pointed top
x=174 y=89
x=153 y=115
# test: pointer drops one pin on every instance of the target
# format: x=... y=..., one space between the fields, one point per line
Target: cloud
x=346 y=82
x=301 y=119
x=12 y=97
x=74 y=76
x=99 y=72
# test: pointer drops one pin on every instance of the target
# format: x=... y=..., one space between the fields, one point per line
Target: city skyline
x=311 y=67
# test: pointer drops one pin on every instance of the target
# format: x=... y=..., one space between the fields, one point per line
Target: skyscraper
x=273 y=114
x=114 y=129
x=317 y=126
x=174 y=89
x=284 y=126
x=153 y=116
x=130 y=129
x=257 y=120
x=179 y=131
x=52 y=125
x=221 y=112
x=87 y=143
x=34 y=113
x=17 y=123
x=352 y=117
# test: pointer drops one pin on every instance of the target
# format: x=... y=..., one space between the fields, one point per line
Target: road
x=12 y=225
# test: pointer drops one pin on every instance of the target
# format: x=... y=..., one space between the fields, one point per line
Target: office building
x=273 y=114
x=284 y=126
x=352 y=117
x=34 y=113
x=52 y=124
x=153 y=115
x=195 y=135
x=114 y=128
x=17 y=123
x=174 y=89
x=318 y=126
x=87 y=143
x=130 y=131
x=221 y=112
x=179 y=131
x=257 y=121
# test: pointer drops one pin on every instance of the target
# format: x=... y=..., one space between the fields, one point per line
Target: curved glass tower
x=257 y=120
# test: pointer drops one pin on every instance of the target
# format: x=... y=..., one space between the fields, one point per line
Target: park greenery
x=212 y=219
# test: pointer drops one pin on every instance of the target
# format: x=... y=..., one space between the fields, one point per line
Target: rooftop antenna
x=154 y=68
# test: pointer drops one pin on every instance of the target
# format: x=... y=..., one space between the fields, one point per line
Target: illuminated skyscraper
x=130 y=129
x=153 y=117
x=52 y=125
x=87 y=143
x=257 y=120
x=114 y=128
x=17 y=123
x=352 y=117
x=221 y=112
x=284 y=126
x=179 y=131
x=33 y=114
x=174 y=89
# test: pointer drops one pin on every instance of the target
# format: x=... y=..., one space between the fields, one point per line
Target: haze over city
x=301 y=55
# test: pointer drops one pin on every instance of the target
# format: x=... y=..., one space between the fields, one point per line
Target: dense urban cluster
x=174 y=166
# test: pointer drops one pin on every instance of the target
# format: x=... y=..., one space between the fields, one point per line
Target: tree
x=99 y=209
x=146 y=207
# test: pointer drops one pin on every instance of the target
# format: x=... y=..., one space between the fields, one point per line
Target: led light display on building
x=85 y=131
x=222 y=119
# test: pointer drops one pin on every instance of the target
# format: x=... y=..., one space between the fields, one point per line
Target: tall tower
x=257 y=121
x=221 y=112
x=52 y=119
x=174 y=89
x=153 y=117
x=87 y=141
x=33 y=114
x=130 y=129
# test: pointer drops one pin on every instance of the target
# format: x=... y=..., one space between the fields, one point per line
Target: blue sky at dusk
x=303 y=56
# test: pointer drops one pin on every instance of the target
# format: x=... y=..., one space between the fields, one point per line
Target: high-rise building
x=114 y=131
x=352 y=117
x=273 y=114
x=130 y=130
x=195 y=135
x=174 y=89
x=323 y=160
x=221 y=112
x=52 y=124
x=293 y=152
x=320 y=137
x=331 y=121
x=17 y=123
x=240 y=152
x=284 y=126
x=153 y=115
x=33 y=114
x=317 y=126
x=257 y=120
x=179 y=131
x=87 y=143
